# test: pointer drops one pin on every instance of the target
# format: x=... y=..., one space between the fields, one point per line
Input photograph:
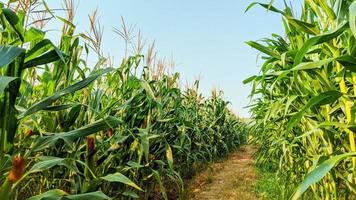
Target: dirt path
x=232 y=179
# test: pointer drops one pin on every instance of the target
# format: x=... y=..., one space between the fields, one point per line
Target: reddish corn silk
x=17 y=170
x=29 y=132
x=109 y=132
x=90 y=144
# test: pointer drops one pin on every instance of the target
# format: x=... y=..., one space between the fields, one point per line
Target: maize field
x=69 y=130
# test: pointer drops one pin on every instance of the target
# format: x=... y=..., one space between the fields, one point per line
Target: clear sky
x=205 y=37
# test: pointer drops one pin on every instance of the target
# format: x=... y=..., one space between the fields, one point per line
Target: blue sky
x=204 y=37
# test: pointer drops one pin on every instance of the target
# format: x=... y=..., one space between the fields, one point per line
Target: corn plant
x=304 y=100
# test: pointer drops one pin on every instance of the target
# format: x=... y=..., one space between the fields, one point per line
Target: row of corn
x=304 y=100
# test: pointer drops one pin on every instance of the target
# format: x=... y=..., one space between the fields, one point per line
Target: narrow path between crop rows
x=232 y=179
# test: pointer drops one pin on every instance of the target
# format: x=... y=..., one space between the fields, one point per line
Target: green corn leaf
x=267 y=6
x=39 y=48
x=324 y=125
x=134 y=165
x=34 y=34
x=46 y=58
x=59 y=107
x=5 y=81
x=318 y=40
x=302 y=66
x=329 y=11
x=319 y=100
x=145 y=144
x=263 y=49
x=349 y=62
x=250 y=79
x=8 y=54
x=318 y=173
x=131 y=194
x=66 y=21
x=75 y=87
x=118 y=177
x=303 y=26
x=98 y=195
x=72 y=116
x=69 y=137
x=289 y=102
x=48 y=162
x=55 y=194
x=10 y=16
x=42 y=53
x=352 y=19
x=14 y=22
x=58 y=194
x=312 y=65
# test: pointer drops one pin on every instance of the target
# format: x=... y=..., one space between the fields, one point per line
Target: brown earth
x=232 y=179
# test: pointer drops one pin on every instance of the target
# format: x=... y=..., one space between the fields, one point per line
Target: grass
x=268 y=186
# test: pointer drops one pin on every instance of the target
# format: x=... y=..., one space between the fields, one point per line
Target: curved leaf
x=263 y=49
x=46 y=58
x=311 y=65
x=48 y=162
x=322 y=99
x=303 y=26
x=5 y=81
x=69 y=137
x=118 y=177
x=14 y=22
x=98 y=195
x=8 y=54
x=55 y=194
x=318 y=173
x=349 y=62
x=267 y=6
x=250 y=79
x=75 y=87
x=58 y=194
x=318 y=40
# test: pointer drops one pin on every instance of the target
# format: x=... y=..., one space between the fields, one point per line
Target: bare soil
x=232 y=179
